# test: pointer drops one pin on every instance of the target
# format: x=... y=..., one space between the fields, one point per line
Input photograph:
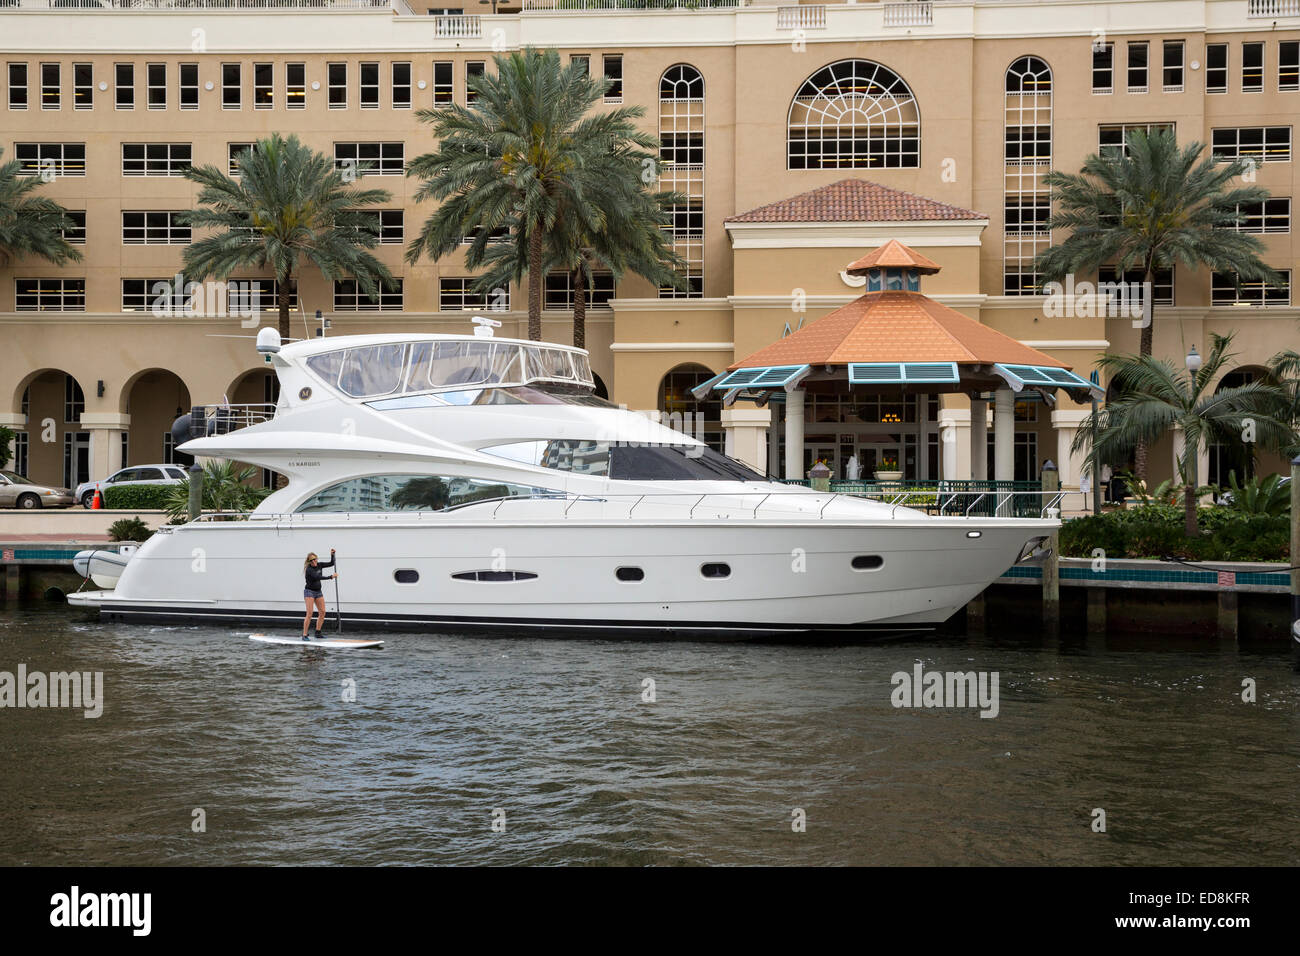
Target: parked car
x=135 y=475
x=17 y=492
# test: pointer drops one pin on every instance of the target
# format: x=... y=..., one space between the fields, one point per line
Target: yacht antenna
x=483 y=326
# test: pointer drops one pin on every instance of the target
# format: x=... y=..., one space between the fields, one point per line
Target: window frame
x=185 y=90
x=1252 y=74
x=1103 y=68
x=615 y=93
x=444 y=92
x=295 y=91
x=88 y=88
x=267 y=88
x=1181 y=66
x=173 y=163
x=150 y=87
x=57 y=86
x=1220 y=84
x=336 y=85
x=146 y=234
x=120 y=88
x=67 y=289
x=237 y=87
x=15 y=69
x=400 y=100
x=355 y=300
x=1145 y=68
x=368 y=91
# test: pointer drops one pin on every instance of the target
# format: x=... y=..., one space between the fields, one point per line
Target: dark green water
x=446 y=729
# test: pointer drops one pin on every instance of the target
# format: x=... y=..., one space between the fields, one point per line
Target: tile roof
x=896 y=327
x=856 y=200
x=895 y=254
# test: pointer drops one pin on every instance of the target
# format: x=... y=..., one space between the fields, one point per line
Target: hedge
x=143 y=497
x=1158 y=530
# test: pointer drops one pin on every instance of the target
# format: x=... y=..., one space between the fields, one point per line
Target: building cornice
x=854 y=235
x=672 y=346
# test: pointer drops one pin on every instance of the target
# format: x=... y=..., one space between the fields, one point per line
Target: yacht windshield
x=635 y=462
x=372 y=371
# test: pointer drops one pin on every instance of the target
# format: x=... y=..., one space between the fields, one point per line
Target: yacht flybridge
x=468 y=482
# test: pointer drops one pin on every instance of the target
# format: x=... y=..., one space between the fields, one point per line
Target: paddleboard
x=332 y=643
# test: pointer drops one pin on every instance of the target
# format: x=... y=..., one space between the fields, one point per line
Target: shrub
x=1157 y=530
x=143 y=497
x=6 y=441
x=129 y=529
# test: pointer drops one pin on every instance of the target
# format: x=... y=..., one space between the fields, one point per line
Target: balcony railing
x=548 y=5
x=209 y=420
x=811 y=17
x=1272 y=9
x=75 y=5
x=914 y=13
x=458 y=26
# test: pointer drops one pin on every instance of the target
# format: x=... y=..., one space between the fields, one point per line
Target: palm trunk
x=1144 y=349
x=579 y=308
x=1189 y=512
x=535 y=284
x=283 y=296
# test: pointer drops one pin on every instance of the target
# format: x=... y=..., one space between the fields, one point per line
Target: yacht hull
x=724 y=578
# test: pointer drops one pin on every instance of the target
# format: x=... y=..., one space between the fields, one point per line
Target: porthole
x=630 y=574
x=406 y=576
x=715 y=570
x=494 y=575
x=868 y=562
x=973 y=534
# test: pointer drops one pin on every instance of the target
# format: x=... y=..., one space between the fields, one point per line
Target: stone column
x=979 y=439
x=1067 y=423
x=954 y=443
x=746 y=429
x=794 y=433
x=1004 y=431
x=106 y=430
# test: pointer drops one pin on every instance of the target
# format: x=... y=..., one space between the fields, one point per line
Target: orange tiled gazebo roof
x=896 y=255
x=856 y=200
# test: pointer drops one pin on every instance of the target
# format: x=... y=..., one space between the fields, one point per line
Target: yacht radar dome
x=483 y=326
x=268 y=341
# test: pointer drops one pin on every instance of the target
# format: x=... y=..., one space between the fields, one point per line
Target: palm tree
x=423 y=494
x=31 y=225
x=526 y=150
x=1151 y=207
x=289 y=205
x=1155 y=398
x=1284 y=372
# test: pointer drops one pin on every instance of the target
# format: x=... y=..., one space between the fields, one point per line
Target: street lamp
x=494 y=5
x=1193 y=361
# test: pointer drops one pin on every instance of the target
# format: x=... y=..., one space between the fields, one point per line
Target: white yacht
x=472 y=482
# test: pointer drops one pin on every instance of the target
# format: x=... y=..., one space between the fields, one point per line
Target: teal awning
x=769 y=376
x=1018 y=376
x=896 y=373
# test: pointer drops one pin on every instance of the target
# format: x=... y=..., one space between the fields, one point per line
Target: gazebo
x=893 y=339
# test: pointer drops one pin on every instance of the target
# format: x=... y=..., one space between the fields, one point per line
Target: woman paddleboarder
x=312 y=595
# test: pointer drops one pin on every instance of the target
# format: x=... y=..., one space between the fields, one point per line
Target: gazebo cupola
x=893 y=268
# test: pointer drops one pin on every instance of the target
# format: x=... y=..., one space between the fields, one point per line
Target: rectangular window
x=189 y=86
x=232 y=156
x=1265 y=144
x=1026 y=214
x=1028 y=144
x=687 y=220
x=473 y=68
x=499 y=234
x=349 y=297
x=76 y=233
x=1288 y=65
x=1162 y=284
x=50 y=295
x=246 y=296
x=614 y=73
x=154 y=229
x=557 y=293
x=74 y=400
x=1216 y=68
x=582 y=61
x=231 y=86
x=456 y=295
x=1103 y=67
x=263 y=86
x=1267 y=216
x=681 y=149
x=155 y=159
x=18 y=86
x=371 y=159
x=156 y=85
x=1223 y=291
x=58 y=159
x=369 y=86
x=83 y=86
x=295 y=82
x=337 y=74
x=401 y=86
x=388 y=225
x=124 y=83
x=1112 y=138
x=51 y=87
x=21 y=451
x=160 y=296
x=1139 y=53
x=443 y=71
x=1173 y=68
x=1252 y=67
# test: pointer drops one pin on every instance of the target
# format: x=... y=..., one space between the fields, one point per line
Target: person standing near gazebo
x=852 y=471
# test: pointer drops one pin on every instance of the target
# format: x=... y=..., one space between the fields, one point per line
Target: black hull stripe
x=140 y=612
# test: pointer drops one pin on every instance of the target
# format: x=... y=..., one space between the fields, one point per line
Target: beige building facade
x=804 y=136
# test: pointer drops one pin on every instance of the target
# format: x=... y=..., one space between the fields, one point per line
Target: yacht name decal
x=304 y=464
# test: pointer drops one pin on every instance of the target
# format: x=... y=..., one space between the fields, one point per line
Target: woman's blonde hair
x=308 y=561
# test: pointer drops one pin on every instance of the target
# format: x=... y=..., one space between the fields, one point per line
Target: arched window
x=680 y=410
x=854 y=114
x=681 y=169
x=1027 y=201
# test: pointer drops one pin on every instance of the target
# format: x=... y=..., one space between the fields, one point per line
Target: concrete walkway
x=68 y=524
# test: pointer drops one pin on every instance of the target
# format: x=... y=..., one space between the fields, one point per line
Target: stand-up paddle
x=329 y=643
x=338 y=611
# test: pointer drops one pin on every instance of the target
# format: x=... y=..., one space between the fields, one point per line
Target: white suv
x=135 y=475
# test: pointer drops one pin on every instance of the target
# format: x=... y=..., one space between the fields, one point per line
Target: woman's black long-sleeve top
x=314 y=576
